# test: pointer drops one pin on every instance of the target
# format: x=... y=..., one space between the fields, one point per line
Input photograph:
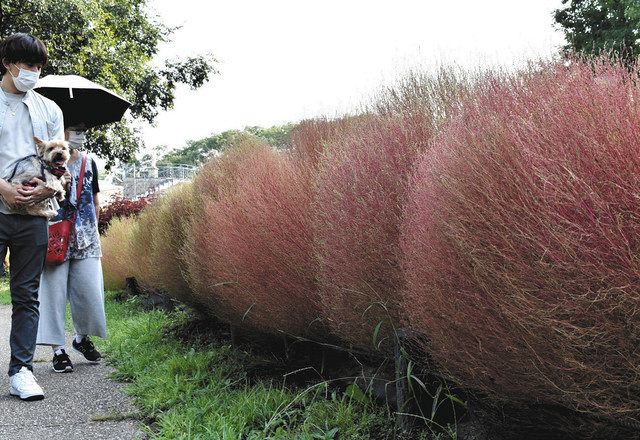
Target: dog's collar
x=56 y=171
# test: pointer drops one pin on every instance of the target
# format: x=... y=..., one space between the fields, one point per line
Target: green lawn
x=5 y=296
x=200 y=390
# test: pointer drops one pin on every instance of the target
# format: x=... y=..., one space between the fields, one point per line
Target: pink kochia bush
x=522 y=237
x=361 y=190
x=253 y=248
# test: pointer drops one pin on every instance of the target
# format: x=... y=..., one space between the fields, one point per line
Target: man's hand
x=34 y=192
x=10 y=194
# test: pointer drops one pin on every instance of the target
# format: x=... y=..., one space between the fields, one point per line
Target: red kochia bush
x=310 y=137
x=361 y=188
x=521 y=240
x=254 y=247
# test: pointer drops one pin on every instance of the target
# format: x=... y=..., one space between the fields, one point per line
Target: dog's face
x=55 y=152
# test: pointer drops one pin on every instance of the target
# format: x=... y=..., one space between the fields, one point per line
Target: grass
x=200 y=390
x=5 y=295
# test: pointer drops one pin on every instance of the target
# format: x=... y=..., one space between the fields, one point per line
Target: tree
x=198 y=151
x=594 y=26
x=112 y=42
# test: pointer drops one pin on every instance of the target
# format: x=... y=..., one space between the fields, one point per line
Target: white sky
x=285 y=60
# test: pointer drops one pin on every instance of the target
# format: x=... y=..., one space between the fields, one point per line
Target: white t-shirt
x=16 y=137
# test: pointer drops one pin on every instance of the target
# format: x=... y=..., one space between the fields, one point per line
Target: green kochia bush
x=160 y=243
x=117 y=264
x=521 y=239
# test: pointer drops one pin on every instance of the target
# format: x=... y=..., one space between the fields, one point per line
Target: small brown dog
x=48 y=165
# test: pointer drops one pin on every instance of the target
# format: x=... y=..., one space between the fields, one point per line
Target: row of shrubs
x=495 y=214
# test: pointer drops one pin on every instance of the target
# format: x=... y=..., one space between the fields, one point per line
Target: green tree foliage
x=594 y=26
x=112 y=42
x=197 y=152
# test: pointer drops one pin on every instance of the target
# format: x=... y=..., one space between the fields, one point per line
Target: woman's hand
x=30 y=195
x=67 y=180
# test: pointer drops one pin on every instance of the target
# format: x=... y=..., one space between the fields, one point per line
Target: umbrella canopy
x=82 y=100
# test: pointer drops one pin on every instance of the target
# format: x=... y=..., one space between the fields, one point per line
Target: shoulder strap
x=81 y=179
x=15 y=168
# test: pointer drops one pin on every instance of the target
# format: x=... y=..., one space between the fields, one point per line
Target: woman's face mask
x=26 y=79
x=76 y=139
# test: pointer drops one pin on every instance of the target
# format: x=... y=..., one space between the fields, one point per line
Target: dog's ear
x=40 y=144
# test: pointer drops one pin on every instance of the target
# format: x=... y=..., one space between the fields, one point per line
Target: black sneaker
x=87 y=349
x=62 y=363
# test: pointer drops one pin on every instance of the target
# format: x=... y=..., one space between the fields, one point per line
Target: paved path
x=74 y=402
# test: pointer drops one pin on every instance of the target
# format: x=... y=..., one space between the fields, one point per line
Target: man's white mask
x=26 y=79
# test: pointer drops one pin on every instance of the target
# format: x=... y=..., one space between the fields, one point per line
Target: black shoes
x=88 y=350
x=62 y=363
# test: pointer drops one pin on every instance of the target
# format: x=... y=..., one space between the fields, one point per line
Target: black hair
x=22 y=48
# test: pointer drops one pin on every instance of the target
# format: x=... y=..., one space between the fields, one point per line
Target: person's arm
x=57 y=132
x=30 y=195
x=96 y=203
x=95 y=188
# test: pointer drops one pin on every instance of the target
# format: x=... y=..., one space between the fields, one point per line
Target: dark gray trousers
x=26 y=237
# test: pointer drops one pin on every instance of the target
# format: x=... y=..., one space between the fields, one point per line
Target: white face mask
x=76 y=138
x=26 y=79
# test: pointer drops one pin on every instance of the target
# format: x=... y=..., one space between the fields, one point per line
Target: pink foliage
x=254 y=246
x=521 y=240
x=360 y=190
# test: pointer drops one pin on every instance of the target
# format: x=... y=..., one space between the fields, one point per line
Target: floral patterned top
x=85 y=240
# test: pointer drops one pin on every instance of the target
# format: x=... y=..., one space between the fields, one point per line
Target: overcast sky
x=286 y=60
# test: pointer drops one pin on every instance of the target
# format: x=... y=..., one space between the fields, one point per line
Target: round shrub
x=116 y=252
x=160 y=242
x=361 y=189
x=521 y=243
x=141 y=248
x=253 y=249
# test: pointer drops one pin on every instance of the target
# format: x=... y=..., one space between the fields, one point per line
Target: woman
x=79 y=278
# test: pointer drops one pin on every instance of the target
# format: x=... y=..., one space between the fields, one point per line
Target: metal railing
x=141 y=181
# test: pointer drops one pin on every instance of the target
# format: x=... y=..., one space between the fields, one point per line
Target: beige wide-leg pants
x=80 y=282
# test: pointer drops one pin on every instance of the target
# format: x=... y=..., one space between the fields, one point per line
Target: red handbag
x=60 y=232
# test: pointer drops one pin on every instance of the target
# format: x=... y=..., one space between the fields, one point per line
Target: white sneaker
x=23 y=384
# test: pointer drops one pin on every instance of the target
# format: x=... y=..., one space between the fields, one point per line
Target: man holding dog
x=23 y=115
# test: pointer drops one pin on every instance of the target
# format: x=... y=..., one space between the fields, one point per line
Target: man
x=23 y=114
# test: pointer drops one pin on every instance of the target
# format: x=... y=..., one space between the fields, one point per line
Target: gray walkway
x=84 y=404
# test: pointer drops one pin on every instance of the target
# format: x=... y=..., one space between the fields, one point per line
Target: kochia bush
x=521 y=240
x=159 y=242
x=116 y=252
x=253 y=249
x=361 y=189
